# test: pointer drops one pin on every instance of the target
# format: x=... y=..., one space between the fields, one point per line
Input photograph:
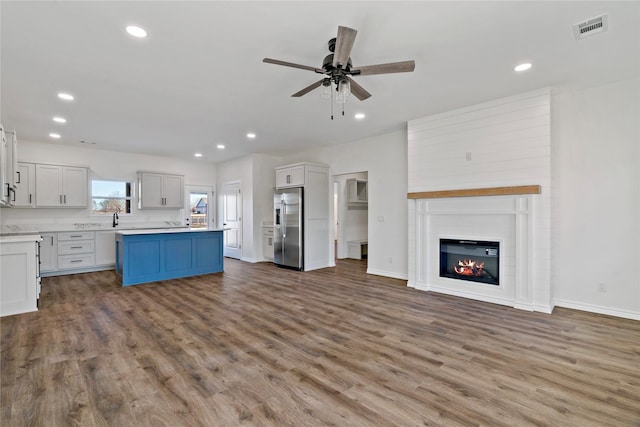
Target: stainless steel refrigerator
x=288 y=233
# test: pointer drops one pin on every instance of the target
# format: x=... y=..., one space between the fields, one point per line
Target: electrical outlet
x=602 y=287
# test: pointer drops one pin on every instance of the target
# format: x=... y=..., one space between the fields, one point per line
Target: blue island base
x=149 y=255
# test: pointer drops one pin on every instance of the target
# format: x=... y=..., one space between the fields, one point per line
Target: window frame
x=131 y=198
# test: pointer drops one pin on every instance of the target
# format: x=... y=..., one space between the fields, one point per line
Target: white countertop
x=21 y=238
x=165 y=231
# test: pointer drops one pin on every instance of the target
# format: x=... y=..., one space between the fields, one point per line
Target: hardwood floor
x=258 y=345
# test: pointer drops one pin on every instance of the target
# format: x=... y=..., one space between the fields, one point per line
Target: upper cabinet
x=160 y=191
x=290 y=176
x=8 y=166
x=5 y=193
x=357 y=191
x=25 y=186
x=61 y=186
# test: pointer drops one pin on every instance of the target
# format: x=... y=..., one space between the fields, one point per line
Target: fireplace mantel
x=509 y=215
x=475 y=192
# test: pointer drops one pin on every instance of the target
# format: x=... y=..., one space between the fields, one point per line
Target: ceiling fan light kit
x=337 y=70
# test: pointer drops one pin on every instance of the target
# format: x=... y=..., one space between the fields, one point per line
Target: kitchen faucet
x=115 y=219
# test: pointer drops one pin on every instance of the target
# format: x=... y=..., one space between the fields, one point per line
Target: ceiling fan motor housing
x=327 y=64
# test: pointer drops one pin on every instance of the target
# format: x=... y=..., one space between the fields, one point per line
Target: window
x=108 y=197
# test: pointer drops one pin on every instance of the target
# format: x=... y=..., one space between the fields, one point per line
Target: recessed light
x=220 y=146
x=522 y=67
x=251 y=135
x=136 y=31
x=60 y=120
x=65 y=96
x=54 y=135
x=359 y=116
x=197 y=155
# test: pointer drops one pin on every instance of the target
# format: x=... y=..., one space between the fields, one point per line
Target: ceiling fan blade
x=392 y=67
x=308 y=89
x=344 y=44
x=291 y=64
x=358 y=91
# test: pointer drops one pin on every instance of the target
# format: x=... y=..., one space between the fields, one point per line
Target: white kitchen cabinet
x=290 y=176
x=76 y=250
x=105 y=253
x=160 y=191
x=19 y=279
x=49 y=252
x=25 y=185
x=5 y=192
x=61 y=186
x=357 y=191
x=267 y=242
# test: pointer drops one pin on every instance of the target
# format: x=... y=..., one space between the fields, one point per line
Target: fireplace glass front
x=472 y=260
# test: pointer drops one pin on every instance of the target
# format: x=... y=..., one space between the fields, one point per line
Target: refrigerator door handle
x=283 y=227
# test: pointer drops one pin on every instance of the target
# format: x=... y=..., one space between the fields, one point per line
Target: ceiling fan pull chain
x=331 y=103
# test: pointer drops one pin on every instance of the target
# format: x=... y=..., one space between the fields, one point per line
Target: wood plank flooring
x=263 y=346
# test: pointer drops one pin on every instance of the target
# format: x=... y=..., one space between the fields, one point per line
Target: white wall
x=238 y=170
x=264 y=179
x=596 y=204
x=500 y=143
x=103 y=164
x=385 y=159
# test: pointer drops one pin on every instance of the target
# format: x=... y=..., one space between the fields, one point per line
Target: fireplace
x=471 y=260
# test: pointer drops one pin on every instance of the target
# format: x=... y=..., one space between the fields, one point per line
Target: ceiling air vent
x=590 y=27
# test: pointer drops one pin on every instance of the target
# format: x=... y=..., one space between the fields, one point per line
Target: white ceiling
x=198 y=79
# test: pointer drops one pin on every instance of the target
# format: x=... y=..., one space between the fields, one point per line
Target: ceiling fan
x=337 y=69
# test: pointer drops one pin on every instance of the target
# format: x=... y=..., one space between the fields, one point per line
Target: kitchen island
x=144 y=256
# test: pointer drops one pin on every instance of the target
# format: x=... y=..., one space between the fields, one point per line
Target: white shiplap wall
x=505 y=142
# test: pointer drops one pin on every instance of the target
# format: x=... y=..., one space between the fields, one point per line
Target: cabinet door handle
x=14 y=194
x=8 y=190
x=29 y=198
x=75 y=247
x=18 y=181
x=76 y=260
x=65 y=199
x=76 y=235
x=51 y=240
x=61 y=199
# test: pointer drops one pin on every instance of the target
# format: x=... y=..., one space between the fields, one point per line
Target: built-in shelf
x=474 y=192
x=357 y=191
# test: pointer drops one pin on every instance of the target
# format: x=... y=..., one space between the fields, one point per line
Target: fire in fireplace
x=472 y=260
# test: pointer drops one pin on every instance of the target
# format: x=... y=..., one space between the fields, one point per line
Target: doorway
x=232 y=220
x=351 y=215
x=199 y=206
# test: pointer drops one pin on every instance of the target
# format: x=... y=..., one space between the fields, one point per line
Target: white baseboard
x=592 y=308
x=480 y=297
x=387 y=274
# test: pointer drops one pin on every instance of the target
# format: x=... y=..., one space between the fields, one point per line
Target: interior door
x=232 y=220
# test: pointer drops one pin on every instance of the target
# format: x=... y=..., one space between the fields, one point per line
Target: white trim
x=387 y=274
x=592 y=308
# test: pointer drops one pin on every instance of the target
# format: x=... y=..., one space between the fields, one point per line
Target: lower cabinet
x=19 y=280
x=267 y=243
x=76 y=250
x=49 y=252
x=105 y=248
